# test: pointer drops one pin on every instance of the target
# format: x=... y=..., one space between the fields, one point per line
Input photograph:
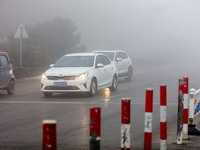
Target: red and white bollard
x=185 y=108
x=49 y=135
x=163 y=117
x=125 y=127
x=95 y=128
x=148 y=120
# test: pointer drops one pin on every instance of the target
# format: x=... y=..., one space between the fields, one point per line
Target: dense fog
x=146 y=29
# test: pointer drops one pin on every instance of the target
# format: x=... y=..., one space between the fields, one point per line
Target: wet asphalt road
x=21 y=114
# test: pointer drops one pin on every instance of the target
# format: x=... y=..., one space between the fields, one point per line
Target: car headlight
x=82 y=76
x=44 y=77
x=11 y=71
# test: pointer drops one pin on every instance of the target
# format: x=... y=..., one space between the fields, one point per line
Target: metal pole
x=125 y=127
x=21 y=36
x=148 y=120
x=163 y=117
x=180 y=113
x=191 y=107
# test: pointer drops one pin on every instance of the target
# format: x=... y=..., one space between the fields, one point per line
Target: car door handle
x=104 y=69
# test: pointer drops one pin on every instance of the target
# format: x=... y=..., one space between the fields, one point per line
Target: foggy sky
x=144 y=28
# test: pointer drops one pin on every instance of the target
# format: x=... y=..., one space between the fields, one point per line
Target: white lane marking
x=103 y=99
x=76 y=103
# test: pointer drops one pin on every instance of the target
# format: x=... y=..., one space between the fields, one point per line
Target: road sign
x=21 y=32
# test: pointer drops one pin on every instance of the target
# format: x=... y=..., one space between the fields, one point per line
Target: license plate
x=60 y=84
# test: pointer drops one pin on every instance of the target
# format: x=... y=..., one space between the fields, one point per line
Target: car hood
x=66 y=71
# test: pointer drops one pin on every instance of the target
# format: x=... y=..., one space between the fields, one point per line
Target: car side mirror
x=119 y=59
x=52 y=65
x=100 y=65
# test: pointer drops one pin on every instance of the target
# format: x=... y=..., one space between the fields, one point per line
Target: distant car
x=80 y=72
x=122 y=61
x=7 y=78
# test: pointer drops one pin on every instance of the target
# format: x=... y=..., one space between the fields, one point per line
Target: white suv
x=122 y=61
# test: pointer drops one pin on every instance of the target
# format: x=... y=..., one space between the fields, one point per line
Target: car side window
x=98 y=60
x=4 y=60
x=124 y=56
x=117 y=56
x=121 y=55
x=105 y=60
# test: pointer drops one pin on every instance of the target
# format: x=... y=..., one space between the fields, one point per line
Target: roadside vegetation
x=47 y=42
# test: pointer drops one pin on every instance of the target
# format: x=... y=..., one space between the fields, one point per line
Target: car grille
x=61 y=88
x=61 y=78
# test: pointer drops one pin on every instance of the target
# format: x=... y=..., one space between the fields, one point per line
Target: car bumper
x=82 y=85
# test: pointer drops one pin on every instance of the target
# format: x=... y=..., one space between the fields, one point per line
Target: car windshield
x=110 y=55
x=75 y=61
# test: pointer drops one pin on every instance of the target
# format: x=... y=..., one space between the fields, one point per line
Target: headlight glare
x=82 y=76
x=44 y=77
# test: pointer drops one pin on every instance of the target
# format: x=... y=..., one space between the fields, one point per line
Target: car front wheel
x=93 y=88
x=11 y=87
x=130 y=74
x=114 y=84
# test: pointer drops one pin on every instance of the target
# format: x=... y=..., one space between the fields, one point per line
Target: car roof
x=108 y=51
x=81 y=54
x=5 y=53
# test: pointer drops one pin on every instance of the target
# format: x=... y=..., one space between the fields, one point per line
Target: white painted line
x=74 y=103
x=103 y=99
x=35 y=102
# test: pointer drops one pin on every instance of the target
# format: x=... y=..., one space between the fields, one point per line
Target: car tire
x=11 y=87
x=114 y=83
x=130 y=74
x=47 y=94
x=93 y=88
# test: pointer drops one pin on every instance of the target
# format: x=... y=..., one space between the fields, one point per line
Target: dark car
x=7 y=78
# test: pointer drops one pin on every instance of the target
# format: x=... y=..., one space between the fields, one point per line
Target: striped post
x=185 y=109
x=163 y=117
x=125 y=127
x=191 y=106
x=180 y=112
x=49 y=135
x=95 y=128
x=148 y=120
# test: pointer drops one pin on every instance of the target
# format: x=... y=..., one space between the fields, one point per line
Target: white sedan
x=80 y=72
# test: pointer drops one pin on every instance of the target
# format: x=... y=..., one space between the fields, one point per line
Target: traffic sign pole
x=20 y=34
x=20 y=52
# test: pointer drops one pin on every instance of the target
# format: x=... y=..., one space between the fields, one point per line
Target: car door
x=125 y=62
x=119 y=64
x=100 y=71
x=108 y=70
x=5 y=70
x=1 y=81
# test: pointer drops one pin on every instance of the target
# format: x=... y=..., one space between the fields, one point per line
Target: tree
x=46 y=43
